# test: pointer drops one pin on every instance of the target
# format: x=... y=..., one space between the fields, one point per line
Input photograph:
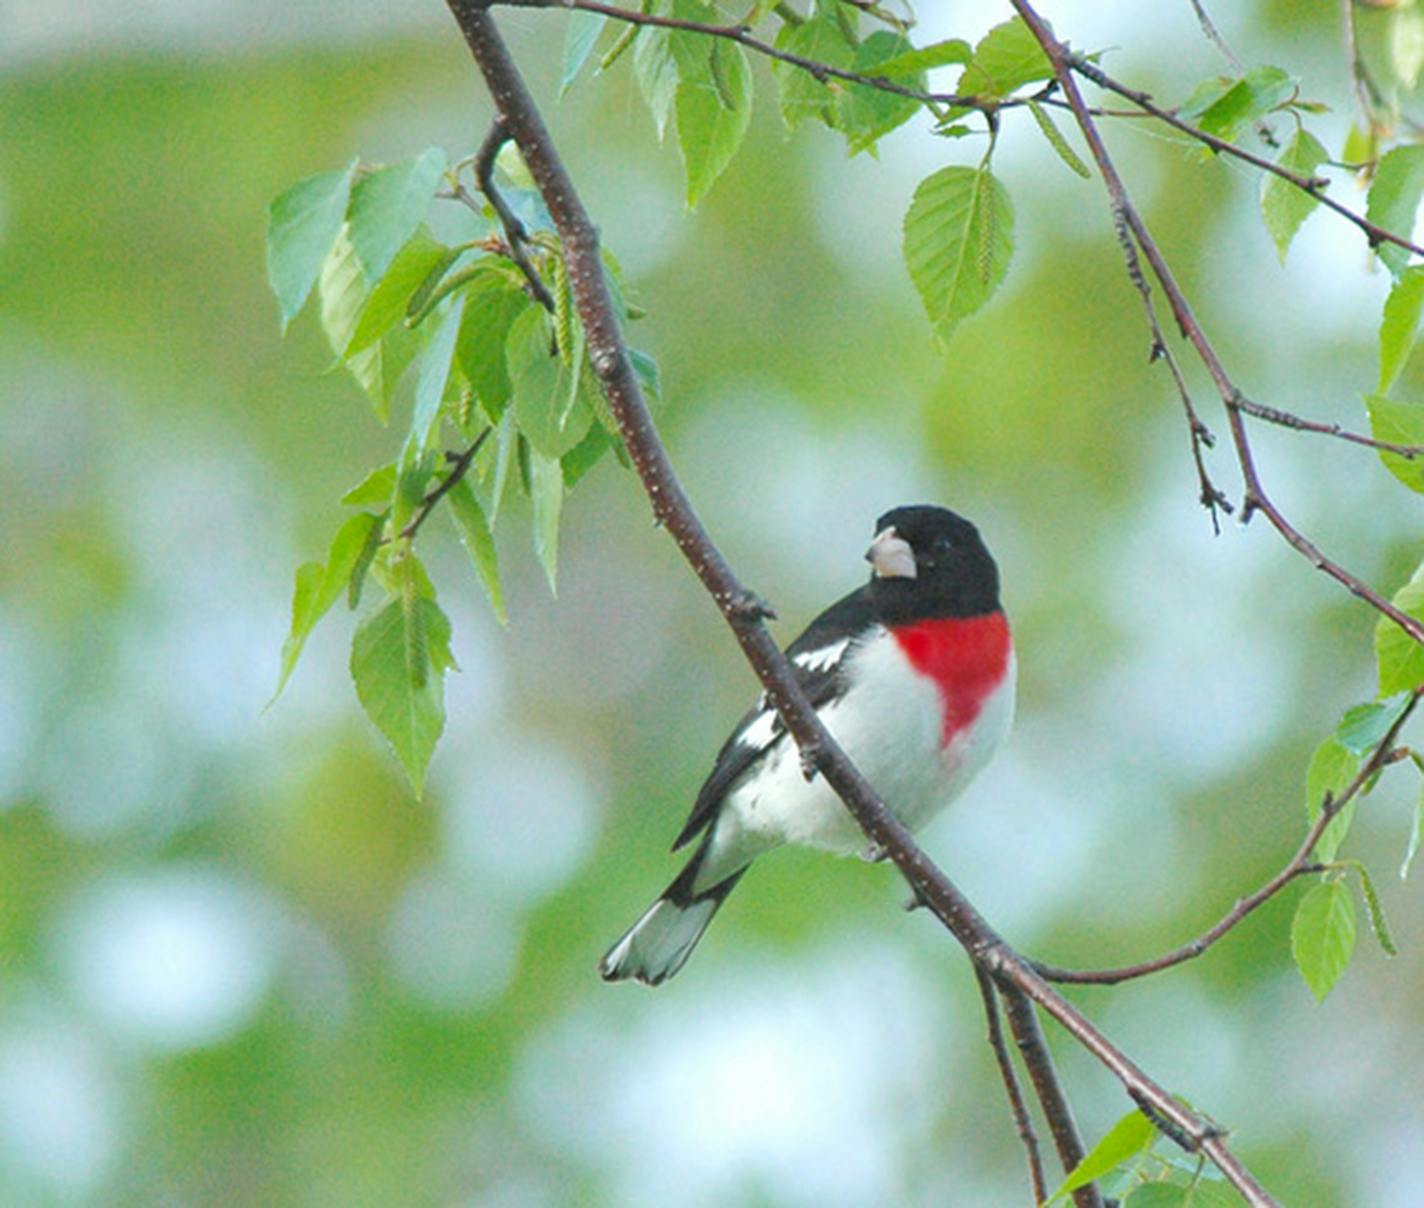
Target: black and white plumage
x=912 y=673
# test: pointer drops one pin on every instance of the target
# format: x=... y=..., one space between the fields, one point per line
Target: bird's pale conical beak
x=890 y=556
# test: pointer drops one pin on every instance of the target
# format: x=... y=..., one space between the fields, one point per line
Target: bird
x=913 y=674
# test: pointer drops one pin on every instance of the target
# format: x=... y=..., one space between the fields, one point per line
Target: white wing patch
x=823 y=658
x=760 y=732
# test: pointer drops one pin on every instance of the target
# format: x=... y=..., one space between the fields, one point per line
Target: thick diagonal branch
x=609 y=358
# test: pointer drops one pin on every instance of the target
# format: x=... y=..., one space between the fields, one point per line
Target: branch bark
x=743 y=611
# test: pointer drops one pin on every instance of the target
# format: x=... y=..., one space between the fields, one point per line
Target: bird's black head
x=929 y=562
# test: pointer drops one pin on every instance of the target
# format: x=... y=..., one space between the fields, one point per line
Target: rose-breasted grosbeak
x=913 y=674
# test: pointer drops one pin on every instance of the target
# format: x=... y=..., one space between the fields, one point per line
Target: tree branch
x=671 y=506
x=1314 y=185
x=1299 y=865
x=1287 y=419
x=1254 y=495
x=742 y=35
x=514 y=233
x=1023 y=1022
x=460 y=467
x=1022 y=1122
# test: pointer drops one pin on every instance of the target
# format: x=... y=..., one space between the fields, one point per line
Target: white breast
x=893 y=736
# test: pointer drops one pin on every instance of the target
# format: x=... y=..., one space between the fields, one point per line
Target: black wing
x=817 y=657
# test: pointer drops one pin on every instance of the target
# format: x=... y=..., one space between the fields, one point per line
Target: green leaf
x=491 y=309
x=1283 y=206
x=357 y=579
x=1416 y=827
x=1057 y=141
x=344 y=290
x=820 y=38
x=475 y=532
x=1241 y=102
x=319 y=586
x=579 y=460
x=1400 y=325
x=1121 y=1143
x=1400 y=657
x=1006 y=58
x=1204 y=1194
x=649 y=375
x=1406 y=45
x=1332 y=767
x=958 y=240
x=432 y=372
x=398 y=661
x=302 y=224
x=867 y=114
x=1204 y=96
x=1394 y=201
x=925 y=58
x=580 y=36
x=1400 y=424
x=655 y=69
x=1363 y=727
x=1323 y=935
x=541 y=385
x=712 y=117
x=1156 y=1195
x=374 y=490
x=385 y=305
x=386 y=207
x=1374 y=911
x=546 y=492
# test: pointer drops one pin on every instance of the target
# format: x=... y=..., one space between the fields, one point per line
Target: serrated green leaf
x=302 y=224
x=474 y=531
x=1400 y=325
x=1283 y=206
x=1242 y=101
x=1416 y=827
x=541 y=385
x=1373 y=909
x=580 y=37
x=655 y=69
x=432 y=373
x=491 y=310
x=821 y=39
x=925 y=58
x=1331 y=769
x=385 y=306
x=1005 y=59
x=1400 y=424
x=506 y=438
x=1400 y=658
x=319 y=586
x=867 y=114
x=1121 y=1143
x=1057 y=141
x=546 y=493
x=374 y=490
x=1204 y=96
x=958 y=240
x=398 y=662
x=386 y=207
x=1204 y=1194
x=1363 y=727
x=1156 y=1195
x=1323 y=935
x=344 y=289
x=713 y=113
x=579 y=460
x=1393 y=201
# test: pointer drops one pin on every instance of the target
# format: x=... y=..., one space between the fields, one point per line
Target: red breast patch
x=965 y=656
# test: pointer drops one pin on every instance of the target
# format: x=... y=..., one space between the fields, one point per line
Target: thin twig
x=1299 y=865
x=1023 y=1022
x=1287 y=419
x=742 y=35
x=608 y=356
x=1022 y=1121
x=460 y=467
x=514 y=232
x=1213 y=35
x=1315 y=186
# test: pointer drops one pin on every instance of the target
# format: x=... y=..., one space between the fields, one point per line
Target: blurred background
x=240 y=964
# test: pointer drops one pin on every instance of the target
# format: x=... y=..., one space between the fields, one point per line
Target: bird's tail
x=659 y=943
